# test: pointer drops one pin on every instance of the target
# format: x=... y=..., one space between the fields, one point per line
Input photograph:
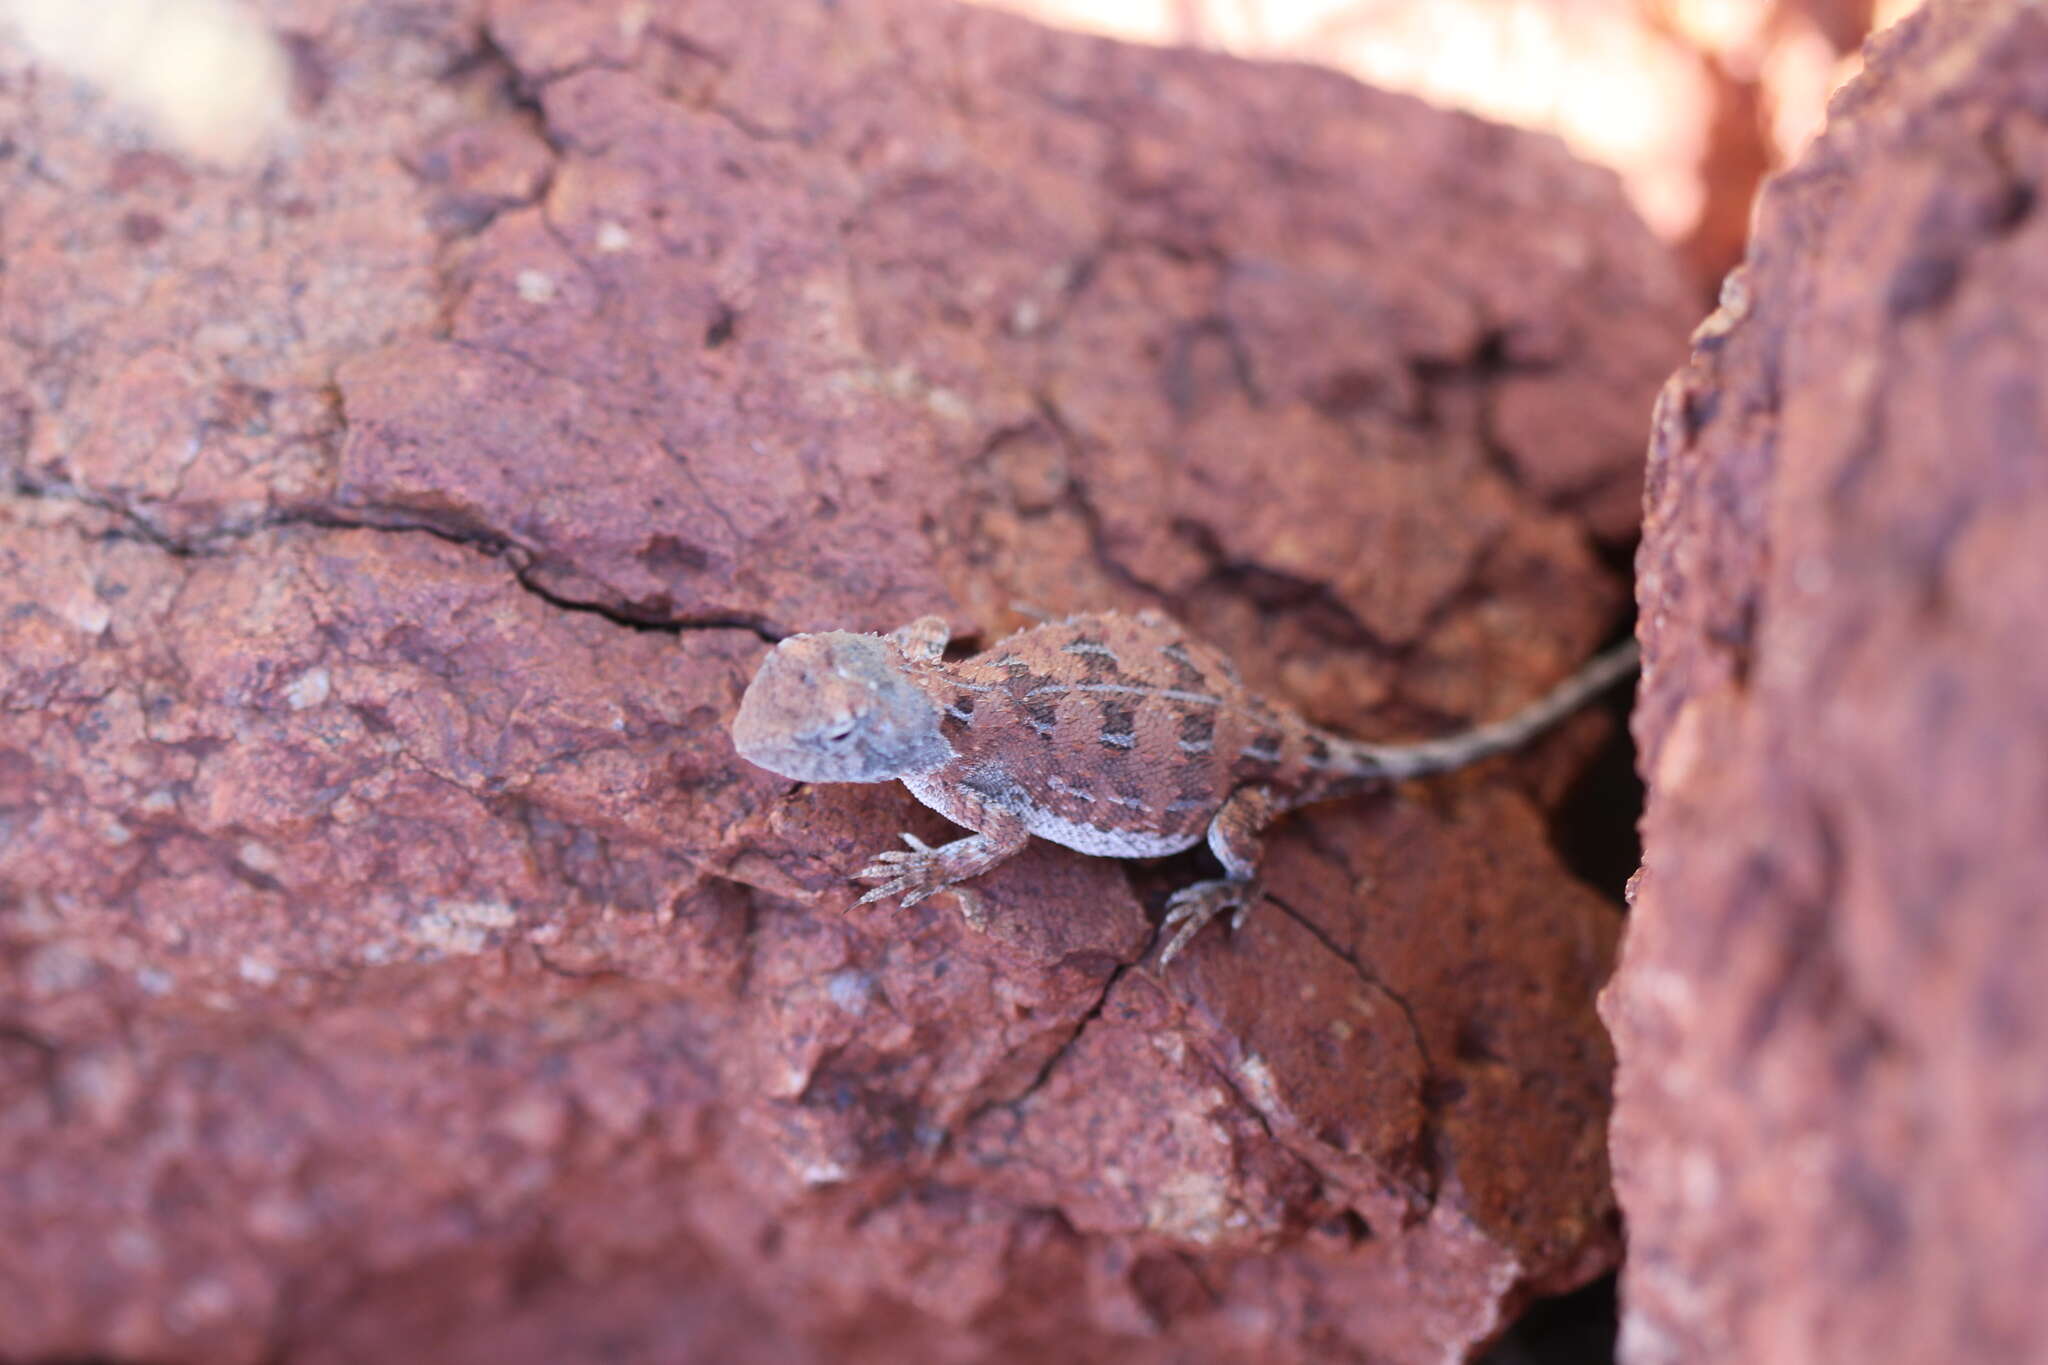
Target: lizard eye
x=840 y=733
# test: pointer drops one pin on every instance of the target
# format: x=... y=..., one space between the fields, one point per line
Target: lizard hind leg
x=1236 y=833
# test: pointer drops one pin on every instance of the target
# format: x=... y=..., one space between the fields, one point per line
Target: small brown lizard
x=1109 y=734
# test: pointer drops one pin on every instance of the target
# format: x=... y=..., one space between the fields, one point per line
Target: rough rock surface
x=395 y=961
x=1831 y=1132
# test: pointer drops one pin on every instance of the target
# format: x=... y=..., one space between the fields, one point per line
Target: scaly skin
x=1110 y=734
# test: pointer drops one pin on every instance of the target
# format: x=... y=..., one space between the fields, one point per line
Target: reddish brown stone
x=1831 y=1134
x=398 y=963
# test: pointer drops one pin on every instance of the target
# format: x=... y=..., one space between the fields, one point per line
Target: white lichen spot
x=1025 y=317
x=87 y=614
x=949 y=405
x=816 y=1173
x=1190 y=1205
x=1643 y=1338
x=309 y=689
x=536 y=286
x=1672 y=992
x=162 y=801
x=1258 y=1082
x=116 y=833
x=438 y=930
x=486 y=914
x=153 y=981
x=256 y=971
x=1171 y=1046
x=612 y=237
x=850 y=990
x=462 y=928
x=1685 y=744
x=258 y=857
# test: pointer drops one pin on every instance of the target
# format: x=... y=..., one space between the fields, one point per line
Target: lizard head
x=838 y=707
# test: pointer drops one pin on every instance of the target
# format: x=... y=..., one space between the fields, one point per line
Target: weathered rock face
x=396 y=962
x=1831 y=1137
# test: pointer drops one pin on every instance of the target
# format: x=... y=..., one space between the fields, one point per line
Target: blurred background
x=1690 y=102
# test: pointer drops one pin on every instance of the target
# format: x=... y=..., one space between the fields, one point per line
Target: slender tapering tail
x=1395 y=762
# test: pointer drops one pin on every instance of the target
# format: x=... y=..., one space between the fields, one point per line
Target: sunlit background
x=1691 y=102
x=204 y=75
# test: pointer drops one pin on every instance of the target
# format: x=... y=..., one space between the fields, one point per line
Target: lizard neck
x=956 y=701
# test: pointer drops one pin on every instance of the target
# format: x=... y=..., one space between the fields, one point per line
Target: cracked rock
x=397 y=961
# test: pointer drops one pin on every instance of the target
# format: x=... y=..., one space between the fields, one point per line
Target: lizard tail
x=1395 y=762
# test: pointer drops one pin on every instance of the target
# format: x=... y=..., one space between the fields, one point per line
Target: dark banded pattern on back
x=1119 y=724
x=959 y=716
x=1142 y=729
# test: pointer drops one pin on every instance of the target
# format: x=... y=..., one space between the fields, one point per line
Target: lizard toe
x=880 y=893
x=1192 y=907
x=912 y=876
x=1178 y=942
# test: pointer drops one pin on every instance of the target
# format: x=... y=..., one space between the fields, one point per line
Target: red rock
x=399 y=963
x=1831 y=1138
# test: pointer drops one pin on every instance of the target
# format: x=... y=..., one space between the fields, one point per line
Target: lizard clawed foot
x=1191 y=907
x=913 y=875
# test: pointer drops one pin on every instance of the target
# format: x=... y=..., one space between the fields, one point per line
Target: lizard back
x=1115 y=735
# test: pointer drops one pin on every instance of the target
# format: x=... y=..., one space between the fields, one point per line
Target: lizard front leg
x=999 y=833
x=1235 y=834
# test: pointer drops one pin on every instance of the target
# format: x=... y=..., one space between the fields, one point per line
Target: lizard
x=1115 y=735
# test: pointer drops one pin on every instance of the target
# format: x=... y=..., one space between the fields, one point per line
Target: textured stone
x=397 y=962
x=1831 y=1135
